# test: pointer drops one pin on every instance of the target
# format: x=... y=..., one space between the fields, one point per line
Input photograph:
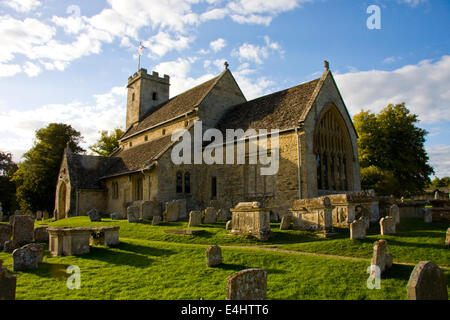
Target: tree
x=7 y=187
x=37 y=175
x=440 y=183
x=392 y=145
x=107 y=142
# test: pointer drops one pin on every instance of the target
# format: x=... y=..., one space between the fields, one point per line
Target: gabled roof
x=279 y=110
x=85 y=170
x=176 y=106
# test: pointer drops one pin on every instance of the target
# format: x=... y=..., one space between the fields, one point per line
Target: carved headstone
x=249 y=284
x=7 y=284
x=151 y=209
x=427 y=282
x=133 y=214
x=213 y=256
x=41 y=234
x=229 y=225
x=172 y=211
x=387 y=225
x=286 y=222
x=381 y=258
x=156 y=220
x=94 y=215
x=210 y=215
x=395 y=213
x=23 y=230
x=358 y=229
x=195 y=218
x=5 y=234
x=28 y=257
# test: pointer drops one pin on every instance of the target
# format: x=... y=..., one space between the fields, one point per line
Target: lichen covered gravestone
x=428 y=215
x=394 y=212
x=210 y=215
x=222 y=215
x=5 y=234
x=387 y=226
x=133 y=214
x=286 y=222
x=7 y=284
x=156 y=220
x=249 y=218
x=358 y=229
x=195 y=218
x=171 y=214
x=94 y=215
x=213 y=256
x=427 y=282
x=151 y=209
x=28 y=257
x=23 y=230
x=381 y=258
x=41 y=234
x=249 y=284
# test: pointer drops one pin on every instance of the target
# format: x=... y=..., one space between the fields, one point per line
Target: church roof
x=85 y=170
x=279 y=110
x=174 y=107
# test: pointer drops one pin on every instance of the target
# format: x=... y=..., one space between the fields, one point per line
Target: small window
x=179 y=182
x=163 y=132
x=115 y=190
x=132 y=96
x=187 y=182
x=155 y=96
x=146 y=138
x=131 y=144
x=213 y=187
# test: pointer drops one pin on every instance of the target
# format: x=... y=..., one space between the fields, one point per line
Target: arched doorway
x=62 y=201
x=333 y=152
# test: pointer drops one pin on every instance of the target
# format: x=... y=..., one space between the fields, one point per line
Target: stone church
x=317 y=149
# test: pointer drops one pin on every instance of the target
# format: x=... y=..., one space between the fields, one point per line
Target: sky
x=69 y=61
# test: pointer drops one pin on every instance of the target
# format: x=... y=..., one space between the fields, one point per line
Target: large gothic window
x=332 y=149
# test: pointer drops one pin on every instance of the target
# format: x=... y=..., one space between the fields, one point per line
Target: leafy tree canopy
x=37 y=175
x=7 y=187
x=440 y=183
x=107 y=142
x=391 y=151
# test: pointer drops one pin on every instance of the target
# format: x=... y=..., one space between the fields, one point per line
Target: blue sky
x=69 y=61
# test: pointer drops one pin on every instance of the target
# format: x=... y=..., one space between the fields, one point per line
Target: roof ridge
x=217 y=78
x=314 y=95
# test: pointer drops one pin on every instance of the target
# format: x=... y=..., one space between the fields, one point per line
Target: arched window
x=179 y=182
x=187 y=182
x=333 y=148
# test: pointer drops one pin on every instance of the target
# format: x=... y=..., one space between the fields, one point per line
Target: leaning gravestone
x=28 y=257
x=156 y=220
x=387 y=225
x=427 y=282
x=381 y=258
x=210 y=215
x=23 y=230
x=94 y=215
x=41 y=234
x=195 y=218
x=249 y=284
x=7 y=284
x=213 y=256
x=358 y=229
x=286 y=222
x=133 y=214
x=395 y=213
x=5 y=234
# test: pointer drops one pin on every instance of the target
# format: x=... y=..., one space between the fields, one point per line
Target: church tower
x=145 y=93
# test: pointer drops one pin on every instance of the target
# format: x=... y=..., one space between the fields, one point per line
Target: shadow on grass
x=117 y=257
x=240 y=267
x=413 y=245
x=146 y=250
x=50 y=270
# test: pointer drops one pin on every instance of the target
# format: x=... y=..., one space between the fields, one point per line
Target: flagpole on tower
x=141 y=48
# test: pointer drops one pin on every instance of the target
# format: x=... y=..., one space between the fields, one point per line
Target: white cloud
x=18 y=127
x=256 y=54
x=162 y=43
x=31 y=69
x=413 y=3
x=440 y=160
x=218 y=44
x=423 y=87
x=8 y=70
x=23 y=5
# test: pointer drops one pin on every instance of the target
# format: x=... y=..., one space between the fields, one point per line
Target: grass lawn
x=150 y=264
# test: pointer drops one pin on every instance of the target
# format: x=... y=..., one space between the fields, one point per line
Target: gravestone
x=94 y=215
x=229 y=225
x=366 y=221
x=394 y=212
x=46 y=215
x=286 y=222
x=116 y=216
x=5 y=234
x=427 y=282
x=171 y=214
x=182 y=208
x=7 y=284
x=381 y=258
x=274 y=216
x=358 y=229
x=222 y=215
x=41 y=234
x=39 y=215
x=151 y=209
x=27 y=257
x=133 y=214
x=249 y=218
x=210 y=215
x=447 y=238
x=23 y=230
x=387 y=226
x=249 y=284
x=213 y=256
x=156 y=220
x=428 y=215
x=195 y=218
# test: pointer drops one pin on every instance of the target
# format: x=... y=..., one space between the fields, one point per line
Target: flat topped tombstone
x=195 y=218
x=23 y=230
x=7 y=284
x=151 y=209
x=394 y=212
x=210 y=215
x=94 y=215
x=105 y=236
x=213 y=256
x=249 y=284
x=358 y=229
x=133 y=214
x=249 y=218
x=41 y=234
x=172 y=212
x=427 y=282
x=387 y=226
x=69 y=241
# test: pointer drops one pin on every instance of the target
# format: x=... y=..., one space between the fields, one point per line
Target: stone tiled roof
x=132 y=159
x=279 y=110
x=176 y=106
x=84 y=170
